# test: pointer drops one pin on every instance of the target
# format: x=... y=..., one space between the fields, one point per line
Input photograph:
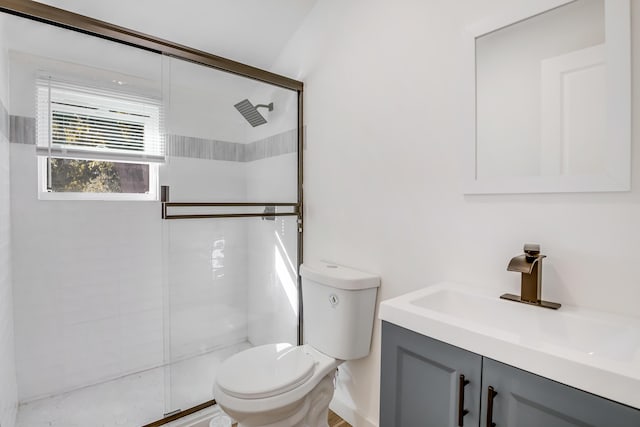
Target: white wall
x=8 y=390
x=383 y=179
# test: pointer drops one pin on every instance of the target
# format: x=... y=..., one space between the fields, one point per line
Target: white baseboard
x=350 y=414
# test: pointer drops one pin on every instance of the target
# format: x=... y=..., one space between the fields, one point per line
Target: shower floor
x=133 y=400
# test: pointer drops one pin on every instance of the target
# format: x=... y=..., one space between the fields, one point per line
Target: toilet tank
x=338 y=309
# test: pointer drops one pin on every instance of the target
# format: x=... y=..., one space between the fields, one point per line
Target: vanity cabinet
x=421 y=387
x=426 y=382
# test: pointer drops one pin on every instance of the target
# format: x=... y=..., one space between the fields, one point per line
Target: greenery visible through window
x=94 y=176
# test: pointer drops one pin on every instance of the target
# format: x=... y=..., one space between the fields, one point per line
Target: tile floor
x=133 y=400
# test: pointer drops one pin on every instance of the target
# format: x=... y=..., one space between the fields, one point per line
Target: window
x=95 y=144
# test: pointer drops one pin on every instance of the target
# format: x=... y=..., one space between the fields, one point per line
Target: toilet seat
x=265 y=371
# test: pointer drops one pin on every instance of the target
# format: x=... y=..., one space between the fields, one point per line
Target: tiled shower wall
x=206 y=265
x=255 y=257
x=87 y=286
x=89 y=275
x=273 y=258
x=99 y=286
x=8 y=391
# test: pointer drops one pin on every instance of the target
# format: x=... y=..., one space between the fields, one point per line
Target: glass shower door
x=230 y=228
x=122 y=315
x=232 y=285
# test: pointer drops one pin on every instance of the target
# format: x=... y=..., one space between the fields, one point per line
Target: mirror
x=552 y=100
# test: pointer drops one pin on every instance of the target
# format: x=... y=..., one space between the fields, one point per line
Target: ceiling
x=250 y=31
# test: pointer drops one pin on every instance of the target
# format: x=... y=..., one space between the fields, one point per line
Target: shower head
x=251 y=114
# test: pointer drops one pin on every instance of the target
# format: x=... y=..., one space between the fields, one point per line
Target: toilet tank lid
x=338 y=276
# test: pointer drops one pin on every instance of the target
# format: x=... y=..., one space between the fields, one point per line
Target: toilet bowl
x=277 y=385
x=280 y=385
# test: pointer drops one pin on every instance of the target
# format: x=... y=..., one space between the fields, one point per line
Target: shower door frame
x=105 y=30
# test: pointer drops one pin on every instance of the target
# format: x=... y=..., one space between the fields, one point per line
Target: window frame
x=104 y=101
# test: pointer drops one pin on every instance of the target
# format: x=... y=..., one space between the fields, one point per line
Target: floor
x=133 y=400
x=336 y=421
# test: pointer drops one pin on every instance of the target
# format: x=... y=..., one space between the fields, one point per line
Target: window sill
x=103 y=197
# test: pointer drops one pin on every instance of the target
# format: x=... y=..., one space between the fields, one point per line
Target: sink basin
x=594 y=351
x=590 y=335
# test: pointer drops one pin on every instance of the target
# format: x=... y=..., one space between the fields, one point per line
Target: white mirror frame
x=618 y=120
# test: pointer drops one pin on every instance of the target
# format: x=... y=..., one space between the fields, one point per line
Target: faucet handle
x=532 y=251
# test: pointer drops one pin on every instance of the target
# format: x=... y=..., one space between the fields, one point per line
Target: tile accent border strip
x=281 y=143
x=22 y=130
x=199 y=148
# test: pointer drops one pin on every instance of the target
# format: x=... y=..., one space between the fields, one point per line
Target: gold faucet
x=530 y=265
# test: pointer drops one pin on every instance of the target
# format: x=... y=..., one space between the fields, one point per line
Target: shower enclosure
x=156 y=217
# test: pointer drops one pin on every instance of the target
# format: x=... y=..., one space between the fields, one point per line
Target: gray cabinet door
x=420 y=381
x=528 y=400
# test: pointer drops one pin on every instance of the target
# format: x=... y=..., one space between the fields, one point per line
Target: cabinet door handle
x=461 y=411
x=491 y=393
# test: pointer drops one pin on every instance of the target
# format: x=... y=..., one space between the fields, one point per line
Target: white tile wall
x=103 y=289
x=88 y=288
x=272 y=260
x=272 y=297
x=8 y=392
x=91 y=299
x=8 y=388
x=203 y=179
x=89 y=279
x=206 y=260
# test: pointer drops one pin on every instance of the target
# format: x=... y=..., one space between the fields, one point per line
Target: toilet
x=280 y=385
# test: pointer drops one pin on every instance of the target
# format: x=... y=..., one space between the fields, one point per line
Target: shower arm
x=268 y=106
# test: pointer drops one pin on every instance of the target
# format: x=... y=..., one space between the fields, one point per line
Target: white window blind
x=78 y=122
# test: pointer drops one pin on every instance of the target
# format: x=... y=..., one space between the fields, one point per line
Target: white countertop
x=590 y=350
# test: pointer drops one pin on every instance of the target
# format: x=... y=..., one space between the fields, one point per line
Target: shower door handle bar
x=226 y=204
x=247 y=215
x=167 y=215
